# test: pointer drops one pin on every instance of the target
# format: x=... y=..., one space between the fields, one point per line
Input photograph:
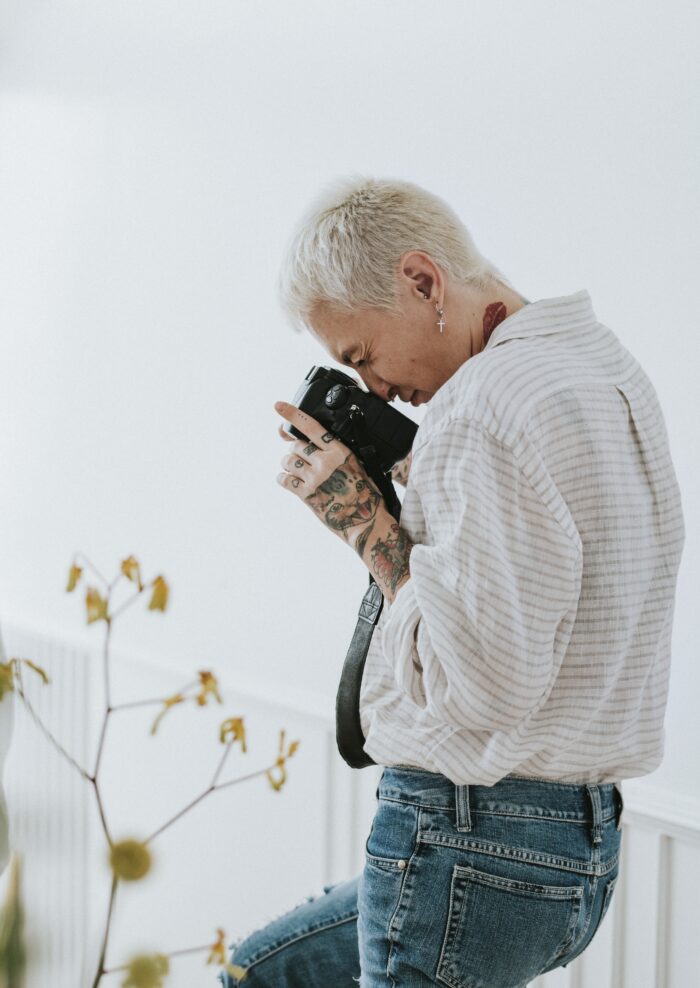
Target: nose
x=378 y=386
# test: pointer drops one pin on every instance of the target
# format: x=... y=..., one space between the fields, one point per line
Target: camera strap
x=348 y=727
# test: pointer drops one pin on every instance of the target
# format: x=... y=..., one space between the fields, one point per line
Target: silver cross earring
x=441 y=314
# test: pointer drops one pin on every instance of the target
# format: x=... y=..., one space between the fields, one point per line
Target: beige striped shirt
x=534 y=636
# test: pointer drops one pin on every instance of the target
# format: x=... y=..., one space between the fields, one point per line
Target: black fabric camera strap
x=348 y=728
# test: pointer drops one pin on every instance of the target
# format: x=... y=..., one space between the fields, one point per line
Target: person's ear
x=421 y=275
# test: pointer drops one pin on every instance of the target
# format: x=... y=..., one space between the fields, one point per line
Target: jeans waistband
x=593 y=804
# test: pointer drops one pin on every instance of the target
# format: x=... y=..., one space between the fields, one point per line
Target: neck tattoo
x=494 y=314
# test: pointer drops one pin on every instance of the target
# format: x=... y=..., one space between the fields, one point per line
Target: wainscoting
x=249 y=853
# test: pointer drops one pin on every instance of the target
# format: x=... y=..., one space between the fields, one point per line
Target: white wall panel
x=247 y=854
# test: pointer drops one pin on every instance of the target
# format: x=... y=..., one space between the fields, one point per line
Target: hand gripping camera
x=380 y=437
x=377 y=433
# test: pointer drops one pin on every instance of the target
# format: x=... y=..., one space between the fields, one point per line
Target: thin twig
x=105 y=665
x=49 y=735
x=211 y=788
x=103 y=953
x=172 y=953
x=143 y=703
x=101 y=809
x=223 y=761
x=92 y=567
x=244 y=778
x=128 y=603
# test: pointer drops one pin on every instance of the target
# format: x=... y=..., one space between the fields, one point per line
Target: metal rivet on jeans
x=402 y=864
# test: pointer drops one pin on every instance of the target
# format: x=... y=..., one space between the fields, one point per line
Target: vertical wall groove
x=663 y=910
x=620 y=900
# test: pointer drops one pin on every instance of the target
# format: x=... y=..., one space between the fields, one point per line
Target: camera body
x=335 y=399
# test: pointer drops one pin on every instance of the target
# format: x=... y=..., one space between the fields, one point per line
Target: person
x=519 y=669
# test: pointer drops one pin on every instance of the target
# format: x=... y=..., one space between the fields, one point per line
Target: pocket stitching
x=515 y=885
x=573 y=894
x=392 y=864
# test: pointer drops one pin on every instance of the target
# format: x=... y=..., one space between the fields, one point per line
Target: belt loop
x=597 y=828
x=464 y=820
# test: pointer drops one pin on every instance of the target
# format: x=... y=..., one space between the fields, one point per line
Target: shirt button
x=402 y=864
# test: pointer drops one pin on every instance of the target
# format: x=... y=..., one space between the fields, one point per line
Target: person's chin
x=420 y=398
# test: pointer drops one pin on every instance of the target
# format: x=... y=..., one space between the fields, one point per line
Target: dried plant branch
x=130 y=859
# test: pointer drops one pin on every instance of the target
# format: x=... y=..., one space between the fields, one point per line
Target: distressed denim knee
x=312 y=945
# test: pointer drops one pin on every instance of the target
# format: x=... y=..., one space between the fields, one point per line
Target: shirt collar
x=560 y=314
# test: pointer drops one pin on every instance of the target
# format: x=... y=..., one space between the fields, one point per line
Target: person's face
x=399 y=353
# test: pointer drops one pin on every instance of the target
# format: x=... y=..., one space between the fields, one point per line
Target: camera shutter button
x=337 y=396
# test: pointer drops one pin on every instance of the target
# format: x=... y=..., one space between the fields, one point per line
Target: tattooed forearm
x=399 y=471
x=361 y=543
x=347 y=498
x=389 y=556
x=385 y=549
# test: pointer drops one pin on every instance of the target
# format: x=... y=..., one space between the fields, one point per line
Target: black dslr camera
x=358 y=417
x=377 y=434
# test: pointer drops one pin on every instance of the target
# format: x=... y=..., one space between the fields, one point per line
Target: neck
x=479 y=312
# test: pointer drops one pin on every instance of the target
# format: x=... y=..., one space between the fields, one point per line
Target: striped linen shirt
x=534 y=635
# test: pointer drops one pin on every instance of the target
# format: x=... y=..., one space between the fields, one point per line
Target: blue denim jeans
x=464 y=886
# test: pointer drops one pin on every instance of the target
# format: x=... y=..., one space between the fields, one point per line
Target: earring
x=438 y=309
x=441 y=314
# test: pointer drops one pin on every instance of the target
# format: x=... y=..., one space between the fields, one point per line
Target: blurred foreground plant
x=13 y=956
x=129 y=858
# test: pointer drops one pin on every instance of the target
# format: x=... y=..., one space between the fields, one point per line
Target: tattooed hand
x=329 y=478
x=327 y=475
x=400 y=470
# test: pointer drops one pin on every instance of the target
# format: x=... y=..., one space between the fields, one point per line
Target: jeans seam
x=307 y=933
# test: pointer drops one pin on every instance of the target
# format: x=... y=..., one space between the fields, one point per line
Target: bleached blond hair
x=345 y=249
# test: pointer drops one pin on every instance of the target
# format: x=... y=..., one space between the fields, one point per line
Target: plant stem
x=128 y=603
x=103 y=952
x=143 y=703
x=92 y=567
x=49 y=735
x=211 y=788
x=172 y=953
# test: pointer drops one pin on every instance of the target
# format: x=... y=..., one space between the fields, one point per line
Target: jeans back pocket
x=503 y=932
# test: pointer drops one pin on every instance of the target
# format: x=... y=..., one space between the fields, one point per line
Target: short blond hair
x=345 y=250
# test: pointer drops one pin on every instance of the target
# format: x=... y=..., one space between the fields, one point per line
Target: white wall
x=153 y=157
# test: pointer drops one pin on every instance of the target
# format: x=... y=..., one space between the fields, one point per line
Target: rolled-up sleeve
x=477 y=635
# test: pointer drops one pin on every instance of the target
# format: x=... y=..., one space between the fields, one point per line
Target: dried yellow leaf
x=96 y=606
x=277 y=784
x=73 y=576
x=169 y=702
x=238 y=972
x=217 y=953
x=7 y=676
x=36 y=668
x=159 y=597
x=131 y=569
x=292 y=748
x=210 y=687
x=236 y=728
